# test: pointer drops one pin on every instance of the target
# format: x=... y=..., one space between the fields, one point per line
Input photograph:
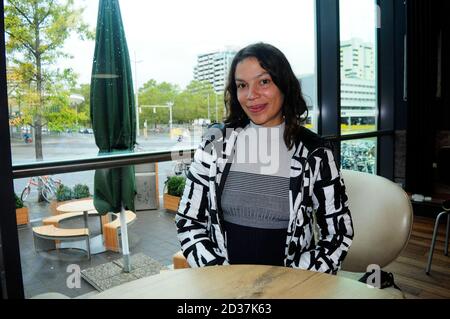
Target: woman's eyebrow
x=255 y=77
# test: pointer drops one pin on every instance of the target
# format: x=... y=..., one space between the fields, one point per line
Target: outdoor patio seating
x=45 y=236
x=55 y=220
x=111 y=231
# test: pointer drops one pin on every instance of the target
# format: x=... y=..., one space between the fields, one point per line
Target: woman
x=241 y=208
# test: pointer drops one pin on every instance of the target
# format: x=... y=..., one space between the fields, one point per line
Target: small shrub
x=19 y=202
x=63 y=193
x=80 y=191
x=175 y=185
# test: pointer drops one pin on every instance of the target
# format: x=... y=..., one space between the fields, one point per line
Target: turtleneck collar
x=279 y=126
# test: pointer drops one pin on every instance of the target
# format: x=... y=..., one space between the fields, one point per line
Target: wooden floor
x=409 y=267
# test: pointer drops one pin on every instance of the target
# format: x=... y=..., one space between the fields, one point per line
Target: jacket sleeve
x=193 y=220
x=333 y=217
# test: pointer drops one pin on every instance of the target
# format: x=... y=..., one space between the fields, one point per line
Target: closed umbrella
x=113 y=116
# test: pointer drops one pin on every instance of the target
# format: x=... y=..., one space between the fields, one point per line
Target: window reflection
x=359 y=155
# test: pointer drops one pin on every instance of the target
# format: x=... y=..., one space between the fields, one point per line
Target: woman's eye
x=265 y=81
x=241 y=85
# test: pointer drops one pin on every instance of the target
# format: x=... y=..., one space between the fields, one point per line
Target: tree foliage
x=83 y=108
x=188 y=104
x=36 y=31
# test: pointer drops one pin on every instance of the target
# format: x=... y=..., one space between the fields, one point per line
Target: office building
x=213 y=68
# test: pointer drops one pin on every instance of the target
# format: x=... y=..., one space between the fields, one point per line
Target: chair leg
x=433 y=241
x=446 y=234
x=42 y=244
x=88 y=247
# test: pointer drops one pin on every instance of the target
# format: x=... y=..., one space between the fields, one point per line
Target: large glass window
x=180 y=54
x=358 y=54
x=358 y=69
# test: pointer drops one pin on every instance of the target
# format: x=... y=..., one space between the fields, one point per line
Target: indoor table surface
x=241 y=282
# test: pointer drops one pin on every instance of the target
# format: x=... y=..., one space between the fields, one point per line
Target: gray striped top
x=256 y=191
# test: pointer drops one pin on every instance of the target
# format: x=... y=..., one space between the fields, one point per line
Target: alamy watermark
x=374 y=279
x=74 y=279
x=255 y=145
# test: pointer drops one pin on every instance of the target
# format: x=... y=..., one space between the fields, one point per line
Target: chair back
x=382 y=220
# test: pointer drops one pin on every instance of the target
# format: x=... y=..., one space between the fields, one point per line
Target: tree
x=200 y=99
x=154 y=93
x=188 y=105
x=83 y=113
x=36 y=32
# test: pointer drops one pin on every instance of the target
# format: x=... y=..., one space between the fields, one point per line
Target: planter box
x=54 y=204
x=171 y=202
x=22 y=217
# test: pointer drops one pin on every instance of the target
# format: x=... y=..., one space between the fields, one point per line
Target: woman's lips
x=257 y=108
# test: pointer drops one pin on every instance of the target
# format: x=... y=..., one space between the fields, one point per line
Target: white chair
x=382 y=220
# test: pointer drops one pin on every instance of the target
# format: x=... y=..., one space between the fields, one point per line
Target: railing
x=105 y=161
x=118 y=160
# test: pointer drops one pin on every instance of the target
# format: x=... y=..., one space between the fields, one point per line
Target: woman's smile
x=257 y=108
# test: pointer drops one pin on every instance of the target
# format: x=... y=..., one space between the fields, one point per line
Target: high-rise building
x=358 y=87
x=213 y=68
x=357 y=60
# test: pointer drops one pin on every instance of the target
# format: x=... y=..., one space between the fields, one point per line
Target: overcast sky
x=167 y=35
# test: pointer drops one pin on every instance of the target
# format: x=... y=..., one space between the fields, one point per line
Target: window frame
x=329 y=81
x=389 y=70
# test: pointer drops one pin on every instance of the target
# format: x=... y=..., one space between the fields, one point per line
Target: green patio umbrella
x=113 y=116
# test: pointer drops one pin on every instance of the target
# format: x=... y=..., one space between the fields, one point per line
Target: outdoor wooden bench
x=56 y=219
x=45 y=237
x=111 y=231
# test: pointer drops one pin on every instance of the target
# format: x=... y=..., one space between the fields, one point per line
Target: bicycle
x=48 y=189
x=182 y=167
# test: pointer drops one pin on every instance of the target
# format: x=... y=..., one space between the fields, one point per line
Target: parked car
x=86 y=131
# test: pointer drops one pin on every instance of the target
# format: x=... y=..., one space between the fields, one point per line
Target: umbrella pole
x=125 y=248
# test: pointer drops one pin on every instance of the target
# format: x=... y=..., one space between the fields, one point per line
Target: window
x=359 y=155
x=163 y=72
x=173 y=45
x=357 y=32
x=359 y=107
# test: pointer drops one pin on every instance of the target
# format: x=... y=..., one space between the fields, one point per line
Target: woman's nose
x=252 y=92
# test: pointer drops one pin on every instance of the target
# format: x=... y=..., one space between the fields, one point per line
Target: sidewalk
x=153 y=235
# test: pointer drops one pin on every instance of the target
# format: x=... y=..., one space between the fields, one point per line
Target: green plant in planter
x=81 y=191
x=19 y=202
x=63 y=193
x=175 y=185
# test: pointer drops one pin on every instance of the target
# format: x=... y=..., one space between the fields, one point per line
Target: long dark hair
x=272 y=60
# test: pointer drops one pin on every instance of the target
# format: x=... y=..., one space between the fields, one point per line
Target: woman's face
x=258 y=95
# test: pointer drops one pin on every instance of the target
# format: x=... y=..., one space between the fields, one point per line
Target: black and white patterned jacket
x=315 y=185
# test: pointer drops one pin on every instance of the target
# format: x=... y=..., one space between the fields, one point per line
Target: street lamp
x=217 y=118
x=136 y=92
x=209 y=113
x=170 y=104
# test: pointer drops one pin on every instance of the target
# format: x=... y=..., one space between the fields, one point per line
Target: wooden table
x=78 y=206
x=242 y=282
x=84 y=206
